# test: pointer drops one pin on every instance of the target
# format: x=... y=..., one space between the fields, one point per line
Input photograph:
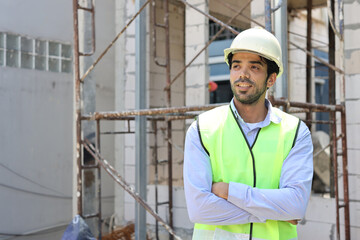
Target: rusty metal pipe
x=336 y=182
x=336 y=69
x=93 y=26
x=77 y=107
x=209 y=16
x=153 y=111
x=311 y=106
x=112 y=43
x=155 y=159
x=177 y=110
x=208 y=43
x=168 y=104
x=117 y=177
x=345 y=175
x=154 y=35
x=318 y=121
x=231 y=8
x=332 y=98
x=97 y=147
x=309 y=60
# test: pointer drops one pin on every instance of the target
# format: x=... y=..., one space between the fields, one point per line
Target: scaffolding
x=170 y=114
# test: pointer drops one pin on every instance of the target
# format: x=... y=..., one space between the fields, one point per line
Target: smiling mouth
x=245 y=85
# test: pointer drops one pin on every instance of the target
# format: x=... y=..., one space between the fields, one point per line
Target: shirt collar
x=271 y=116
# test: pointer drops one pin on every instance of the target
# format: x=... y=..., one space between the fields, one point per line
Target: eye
x=235 y=66
x=255 y=67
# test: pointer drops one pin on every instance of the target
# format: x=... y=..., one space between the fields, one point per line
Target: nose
x=244 y=74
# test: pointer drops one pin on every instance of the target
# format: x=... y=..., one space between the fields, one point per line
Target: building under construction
x=97 y=98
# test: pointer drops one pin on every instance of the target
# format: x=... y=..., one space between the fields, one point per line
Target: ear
x=271 y=80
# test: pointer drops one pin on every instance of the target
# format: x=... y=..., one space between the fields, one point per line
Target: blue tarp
x=78 y=230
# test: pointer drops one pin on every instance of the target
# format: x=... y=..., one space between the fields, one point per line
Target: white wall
x=44 y=19
x=196 y=36
x=352 y=97
x=36 y=149
x=37 y=121
x=36 y=143
x=104 y=75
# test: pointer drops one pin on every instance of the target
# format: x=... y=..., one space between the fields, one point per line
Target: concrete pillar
x=120 y=88
x=352 y=102
x=196 y=36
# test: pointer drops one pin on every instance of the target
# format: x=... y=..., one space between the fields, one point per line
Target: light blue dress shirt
x=245 y=203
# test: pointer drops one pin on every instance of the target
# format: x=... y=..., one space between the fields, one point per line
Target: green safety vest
x=234 y=160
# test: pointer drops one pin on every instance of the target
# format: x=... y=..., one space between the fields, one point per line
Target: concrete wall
x=36 y=172
x=196 y=36
x=297 y=57
x=36 y=150
x=36 y=143
x=28 y=18
x=157 y=83
x=124 y=83
x=352 y=97
x=125 y=100
x=104 y=75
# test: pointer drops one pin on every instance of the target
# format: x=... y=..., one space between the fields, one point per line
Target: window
x=322 y=171
x=226 y=34
x=322 y=89
x=25 y=52
x=222 y=94
x=12 y=49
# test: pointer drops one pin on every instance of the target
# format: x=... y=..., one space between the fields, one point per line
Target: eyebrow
x=253 y=62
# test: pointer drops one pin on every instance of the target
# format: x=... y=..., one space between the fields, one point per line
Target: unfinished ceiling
x=299 y=4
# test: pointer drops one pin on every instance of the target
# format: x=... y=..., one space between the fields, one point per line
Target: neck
x=251 y=113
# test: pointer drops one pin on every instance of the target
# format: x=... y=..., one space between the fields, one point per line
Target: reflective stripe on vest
x=233 y=159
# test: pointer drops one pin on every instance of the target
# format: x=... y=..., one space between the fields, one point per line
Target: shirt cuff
x=237 y=194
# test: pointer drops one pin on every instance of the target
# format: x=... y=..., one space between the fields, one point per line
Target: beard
x=251 y=98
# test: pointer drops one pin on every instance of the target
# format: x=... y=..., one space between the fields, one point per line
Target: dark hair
x=272 y=67
x=230 y=56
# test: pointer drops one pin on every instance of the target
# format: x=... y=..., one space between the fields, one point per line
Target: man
x=248 y=166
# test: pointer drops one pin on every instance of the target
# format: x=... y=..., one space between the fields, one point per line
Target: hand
x=220 y=189
x=294 y=222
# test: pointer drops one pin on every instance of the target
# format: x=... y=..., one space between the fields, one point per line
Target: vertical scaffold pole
x=140 y=121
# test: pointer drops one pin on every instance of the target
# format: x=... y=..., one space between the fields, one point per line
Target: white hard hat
x=259 y=41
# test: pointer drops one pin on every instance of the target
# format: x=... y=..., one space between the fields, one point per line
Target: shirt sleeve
x=202 y=205
x=290 y=200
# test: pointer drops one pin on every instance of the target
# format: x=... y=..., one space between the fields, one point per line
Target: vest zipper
x=252 y=157
x=254 y=172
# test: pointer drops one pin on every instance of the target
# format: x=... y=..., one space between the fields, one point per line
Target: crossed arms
x=237 y=203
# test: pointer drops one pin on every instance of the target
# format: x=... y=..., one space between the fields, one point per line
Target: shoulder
x=215 y=111
x=284 y=115
x=212 y=118
x=287 y=120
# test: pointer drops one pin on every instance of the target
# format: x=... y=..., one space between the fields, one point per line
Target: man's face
x=248 y=78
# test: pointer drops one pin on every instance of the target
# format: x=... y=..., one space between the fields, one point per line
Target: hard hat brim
x=227 y=51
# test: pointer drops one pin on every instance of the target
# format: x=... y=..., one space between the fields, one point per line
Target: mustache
x=244 y=80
